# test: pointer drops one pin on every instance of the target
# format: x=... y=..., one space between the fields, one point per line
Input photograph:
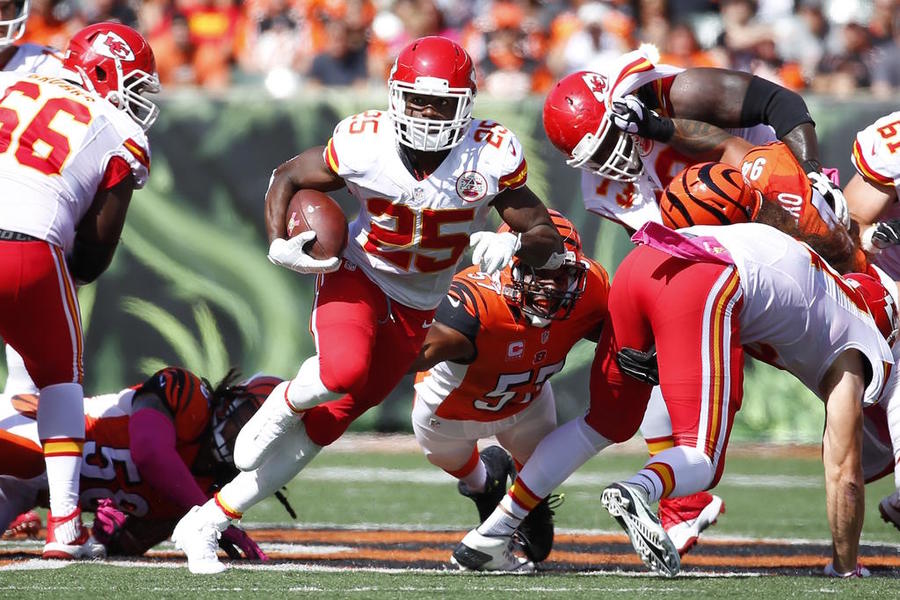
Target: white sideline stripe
x=603 y=478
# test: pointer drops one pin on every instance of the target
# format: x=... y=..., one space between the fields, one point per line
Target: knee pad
x=344 y=374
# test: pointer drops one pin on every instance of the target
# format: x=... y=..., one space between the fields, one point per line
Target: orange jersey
x=108 y=470
x=108 y=467
x=513 y=359
x=773 y=170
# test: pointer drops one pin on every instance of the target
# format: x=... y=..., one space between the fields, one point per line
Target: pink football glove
x=107 y=521
x=234 y=539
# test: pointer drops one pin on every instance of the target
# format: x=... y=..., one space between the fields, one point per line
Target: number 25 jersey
x=410 y=234
x=56 y=142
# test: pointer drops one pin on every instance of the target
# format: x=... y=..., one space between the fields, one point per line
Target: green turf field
x=767 y=494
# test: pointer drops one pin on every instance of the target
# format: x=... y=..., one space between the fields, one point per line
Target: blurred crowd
x=519 y=46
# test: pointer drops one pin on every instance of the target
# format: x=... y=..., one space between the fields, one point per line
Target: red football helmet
x=13 y=29
x=115 y=62
x=547 y=295
x=880 y=302
x=709 y=194
x=432 y=66
x=576 y=119
x=233 y=406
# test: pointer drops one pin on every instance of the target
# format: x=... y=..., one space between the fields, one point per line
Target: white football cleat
x=256 y=440
x=629 y=505
x=684 y=519
x=889 y=507
x=198 y=537
x=477 y=552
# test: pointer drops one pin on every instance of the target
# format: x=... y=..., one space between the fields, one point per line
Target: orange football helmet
x=709 y=194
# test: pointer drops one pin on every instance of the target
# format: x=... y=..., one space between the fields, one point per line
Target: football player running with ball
x=426 y=178
x=74 y=150
x=485 y=370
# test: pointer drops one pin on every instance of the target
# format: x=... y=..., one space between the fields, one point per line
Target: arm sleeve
x=459 y=311
x=152 y=445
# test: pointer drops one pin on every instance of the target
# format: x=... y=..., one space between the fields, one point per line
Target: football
x=311 y=209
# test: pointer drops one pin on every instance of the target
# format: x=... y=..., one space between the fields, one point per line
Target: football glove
x=631 y=116
x=493 y=251
x=639 y=365
x=291 y=254
x=859 y=572
x=108 y=521
x=235 y=541
x=833 y=196
x=881 y=235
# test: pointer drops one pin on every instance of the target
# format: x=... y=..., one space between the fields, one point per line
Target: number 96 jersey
x=410 y=234
x=57 y=145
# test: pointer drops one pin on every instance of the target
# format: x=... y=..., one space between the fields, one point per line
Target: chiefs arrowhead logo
x=597 y=84
x=113 y=46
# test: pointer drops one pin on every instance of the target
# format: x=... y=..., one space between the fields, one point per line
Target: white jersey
x=410 y=234
x=876 y=156
x=56 y=153
x=798 y=314
x=34 y=58
x=633 y=204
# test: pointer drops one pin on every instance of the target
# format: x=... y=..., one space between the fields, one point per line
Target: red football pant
x=366 y=343
x=690 y=311
x=39 y=314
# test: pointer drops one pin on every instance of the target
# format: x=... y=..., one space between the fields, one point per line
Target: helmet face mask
x=12 y=29
x=432 y=68
x=116 y=63
x=546 y=296
x=576 y=120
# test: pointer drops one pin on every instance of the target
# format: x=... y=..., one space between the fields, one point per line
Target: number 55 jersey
x=513 y=359
x=59 y=145
x=410 y=233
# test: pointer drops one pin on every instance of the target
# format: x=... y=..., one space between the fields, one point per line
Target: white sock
x=292 y=453
x=60 y=423
x=559 y=455
x=18 y=381
x=476 y=480
x=553 y=461
x=689 y=469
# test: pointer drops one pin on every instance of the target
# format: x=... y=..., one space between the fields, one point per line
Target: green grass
x=402 y=489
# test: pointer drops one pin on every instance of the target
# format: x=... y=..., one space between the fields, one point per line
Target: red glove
x=234 y=539
x=108 y=520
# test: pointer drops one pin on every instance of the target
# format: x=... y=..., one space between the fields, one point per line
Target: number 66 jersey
x=410 y=234
x=58 y=145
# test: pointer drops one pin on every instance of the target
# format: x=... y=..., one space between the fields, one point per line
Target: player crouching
x=484 y=371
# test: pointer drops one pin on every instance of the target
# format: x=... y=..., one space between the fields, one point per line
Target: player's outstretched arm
x=98 y=232
x=842 y=388
x=307 y=170
x=541 y=244
x=867 y=202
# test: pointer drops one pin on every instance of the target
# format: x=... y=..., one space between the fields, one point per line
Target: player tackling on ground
x=426 y=177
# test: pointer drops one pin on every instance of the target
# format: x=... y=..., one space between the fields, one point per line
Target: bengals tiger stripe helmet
x=709 y=194
x=880 y=303
x=547 y=295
